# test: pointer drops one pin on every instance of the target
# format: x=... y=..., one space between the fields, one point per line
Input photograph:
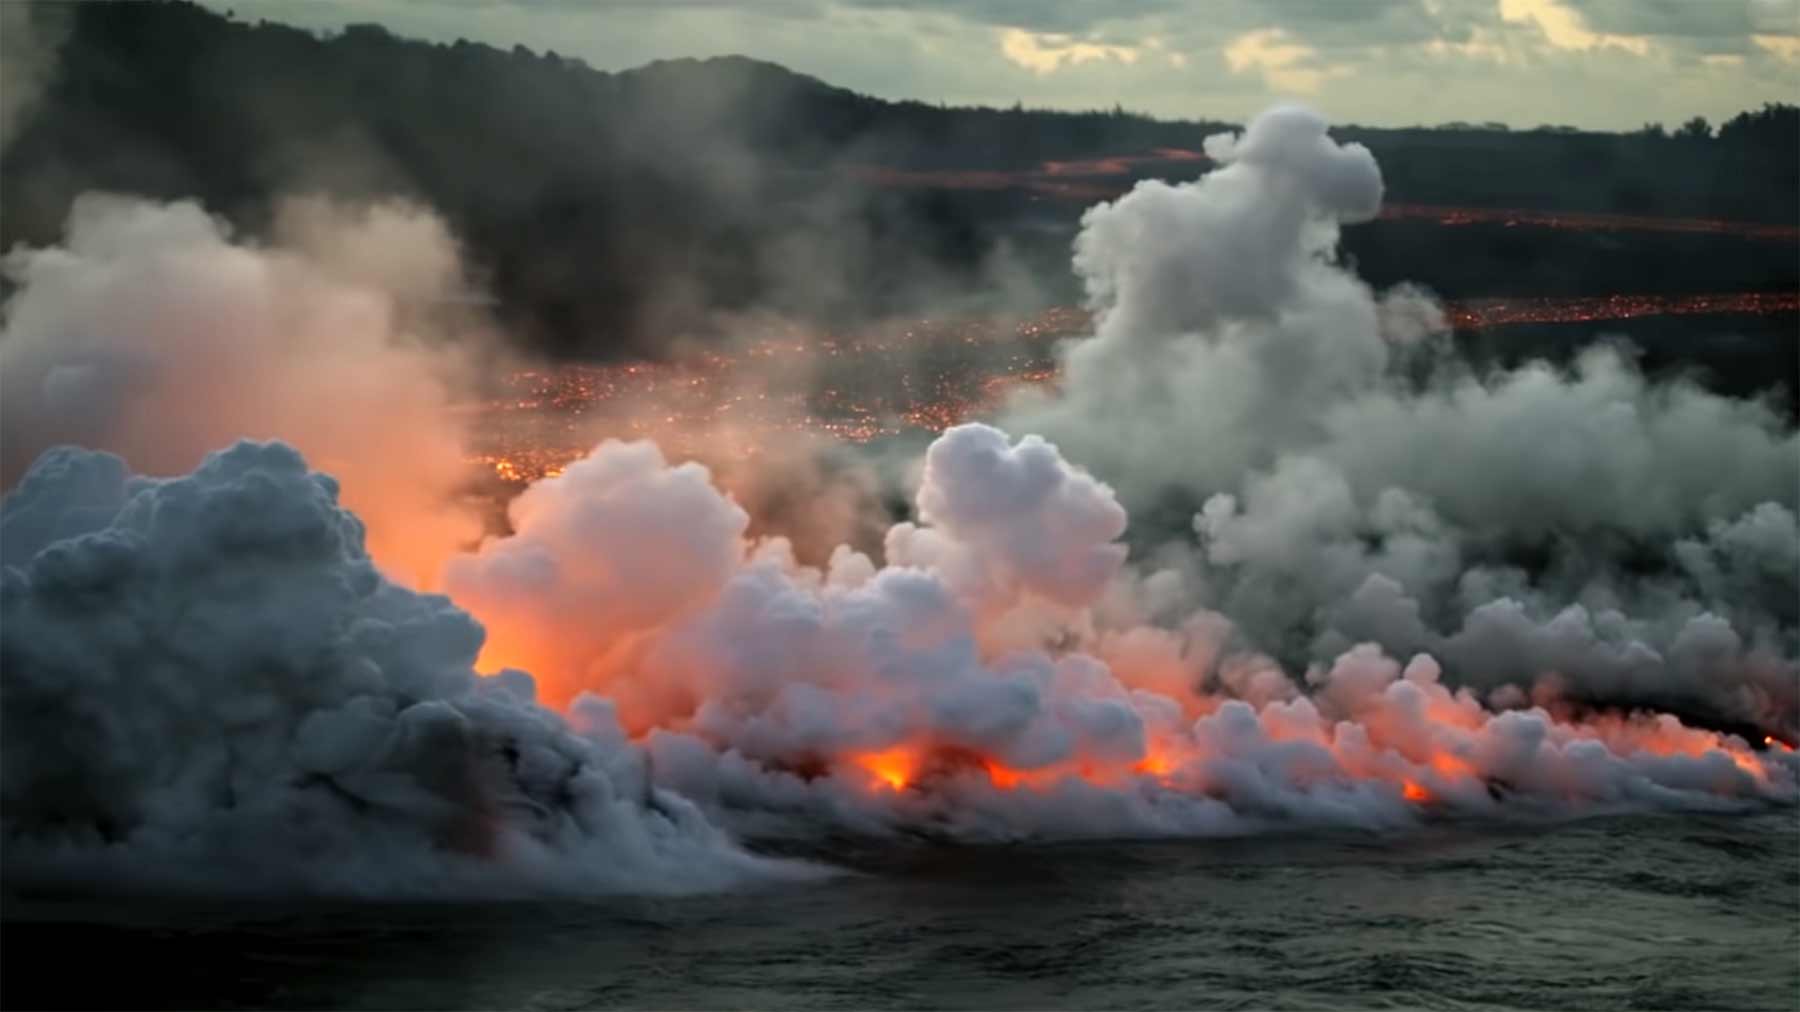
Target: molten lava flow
x=1156 y=764
x=743 y=406
x=894 y=767
x=1004 y=778
x=1007 y=778
x=1414 y=792
x=1159 y=761
x=923 y=766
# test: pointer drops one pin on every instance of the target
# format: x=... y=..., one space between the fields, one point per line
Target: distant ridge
x=607 y=210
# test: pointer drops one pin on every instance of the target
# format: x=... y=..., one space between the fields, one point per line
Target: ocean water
x=1664 y=912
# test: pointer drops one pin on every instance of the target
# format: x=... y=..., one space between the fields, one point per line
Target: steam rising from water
x=1633 y=542
x=1402 y=598
x=210 y=687
x=153 y=332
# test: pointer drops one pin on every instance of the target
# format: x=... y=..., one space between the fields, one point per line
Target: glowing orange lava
x=1156 y=763
x=894 y=767
x=1003 y=778
x=1414 y=792
x=911 y=765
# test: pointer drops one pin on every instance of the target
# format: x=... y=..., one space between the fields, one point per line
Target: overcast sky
x=1608 y=64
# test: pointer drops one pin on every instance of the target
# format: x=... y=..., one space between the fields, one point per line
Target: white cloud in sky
x=1609 y=64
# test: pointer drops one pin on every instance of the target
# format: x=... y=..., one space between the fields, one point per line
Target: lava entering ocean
x=928 y=676
x=1394 y=601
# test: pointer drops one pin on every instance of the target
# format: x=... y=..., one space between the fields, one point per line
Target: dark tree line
x=607 y=209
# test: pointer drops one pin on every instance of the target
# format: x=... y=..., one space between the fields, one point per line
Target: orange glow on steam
x=1003 y=778
x=1450 y=766
x=1157 y=763
x=894 y=767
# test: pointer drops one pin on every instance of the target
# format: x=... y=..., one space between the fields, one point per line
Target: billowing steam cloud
x=1396 y=599
x=150 y=332
x=209 y=686
x=1632 y=542
x=997 y=677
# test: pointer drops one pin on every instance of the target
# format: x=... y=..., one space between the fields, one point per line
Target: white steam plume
x=208 y=686
x=1585 y=525
x=1000 y=681
x=153 y=333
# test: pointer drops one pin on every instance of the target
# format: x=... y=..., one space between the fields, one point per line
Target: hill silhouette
x=608 y=211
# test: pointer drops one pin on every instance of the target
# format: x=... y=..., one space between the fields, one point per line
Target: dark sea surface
x=1665 y=912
